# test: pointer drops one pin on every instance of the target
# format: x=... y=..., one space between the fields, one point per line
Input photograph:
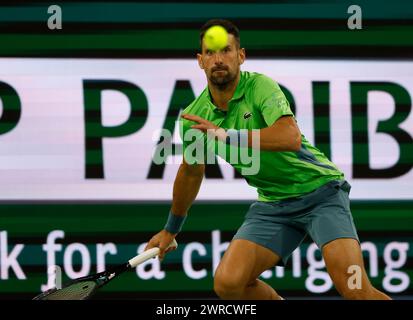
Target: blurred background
x=87 y=86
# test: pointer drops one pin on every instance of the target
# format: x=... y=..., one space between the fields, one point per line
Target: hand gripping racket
x=85 y=287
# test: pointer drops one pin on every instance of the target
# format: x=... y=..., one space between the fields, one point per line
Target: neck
x=222 y=94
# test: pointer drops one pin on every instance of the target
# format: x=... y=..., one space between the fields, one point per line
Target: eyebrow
x=226 y=47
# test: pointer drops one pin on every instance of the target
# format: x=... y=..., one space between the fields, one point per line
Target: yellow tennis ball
x=216 y=38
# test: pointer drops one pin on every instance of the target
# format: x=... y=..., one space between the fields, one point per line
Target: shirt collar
x=238 y=94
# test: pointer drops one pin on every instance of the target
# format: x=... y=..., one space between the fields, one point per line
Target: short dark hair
x=228 y=25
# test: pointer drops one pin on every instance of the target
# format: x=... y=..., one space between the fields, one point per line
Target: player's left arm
x=282 y=132
x=282 y=135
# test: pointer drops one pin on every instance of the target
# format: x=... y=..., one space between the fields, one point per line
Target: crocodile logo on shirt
x=247 y=115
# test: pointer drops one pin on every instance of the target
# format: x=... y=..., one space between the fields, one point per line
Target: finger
x=161 y=254
x=170 y=249
x=174 y=247
x=200 y=127
x=164 y=247
x=151 y=244
x=194 y=118
x=188 y=116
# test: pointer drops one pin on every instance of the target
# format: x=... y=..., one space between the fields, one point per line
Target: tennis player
x=300 y=191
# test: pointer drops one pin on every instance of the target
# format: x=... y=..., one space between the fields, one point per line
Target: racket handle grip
x=148 y=254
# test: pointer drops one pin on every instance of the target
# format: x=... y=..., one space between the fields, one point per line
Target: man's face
x=222 y=67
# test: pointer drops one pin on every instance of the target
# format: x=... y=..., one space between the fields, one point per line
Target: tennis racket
x=85 y=287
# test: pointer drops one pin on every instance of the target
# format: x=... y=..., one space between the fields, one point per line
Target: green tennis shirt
x=257 y=103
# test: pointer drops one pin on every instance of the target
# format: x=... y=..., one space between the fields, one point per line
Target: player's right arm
x=186 y=186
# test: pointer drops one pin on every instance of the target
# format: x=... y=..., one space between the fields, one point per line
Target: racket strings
x=76 y=291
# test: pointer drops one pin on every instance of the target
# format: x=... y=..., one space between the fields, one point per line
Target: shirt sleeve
x=271 y=100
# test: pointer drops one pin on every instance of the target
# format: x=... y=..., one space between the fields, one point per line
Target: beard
x=222 y=80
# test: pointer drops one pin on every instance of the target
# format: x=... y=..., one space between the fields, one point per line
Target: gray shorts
x=281 y=226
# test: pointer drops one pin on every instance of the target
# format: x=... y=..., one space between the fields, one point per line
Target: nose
x=218 y=58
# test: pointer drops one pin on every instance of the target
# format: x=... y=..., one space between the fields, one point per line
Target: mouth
x=220 y=70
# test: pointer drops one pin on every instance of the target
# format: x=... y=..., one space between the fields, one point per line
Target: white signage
x=45 y=110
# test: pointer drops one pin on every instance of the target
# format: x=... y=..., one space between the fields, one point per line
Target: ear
x=241 y=55
x=200 y=63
